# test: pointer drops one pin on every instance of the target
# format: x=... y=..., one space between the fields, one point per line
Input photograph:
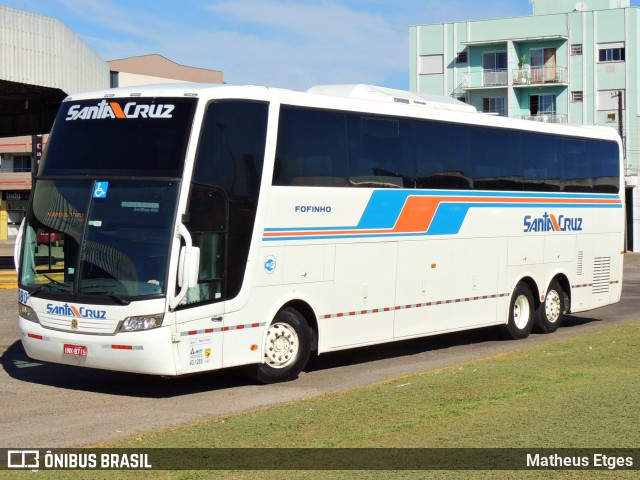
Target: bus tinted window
x=380 y=153
x=230 y=157
x=540 y=162
x=311 y=149
x=389 y=152
x=231 y=150
x=575 y=170
x=495 y=165
x=123 y=137
x=606 y=173
x=443 y=157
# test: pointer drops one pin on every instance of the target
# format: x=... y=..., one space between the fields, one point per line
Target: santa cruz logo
x=67 y=310
x=550 y=223
x=106 y=109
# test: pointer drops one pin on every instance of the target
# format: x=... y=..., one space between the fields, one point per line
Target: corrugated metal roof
x=38 y=50
x=41 y=61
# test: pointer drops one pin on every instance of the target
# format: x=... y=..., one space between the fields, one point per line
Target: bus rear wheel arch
x=521 y=313
x=286 y=348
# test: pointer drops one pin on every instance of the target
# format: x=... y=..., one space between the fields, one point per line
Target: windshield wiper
x=52 y=280
x=118 y=299
x=60 y=287
x=37 y=290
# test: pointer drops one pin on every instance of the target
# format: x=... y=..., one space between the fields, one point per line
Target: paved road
x=47 y=405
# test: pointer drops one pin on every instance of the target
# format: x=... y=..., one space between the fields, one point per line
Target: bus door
x=200 y=316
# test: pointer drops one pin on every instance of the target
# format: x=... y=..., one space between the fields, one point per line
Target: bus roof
x=383 y=94
x=354 y=97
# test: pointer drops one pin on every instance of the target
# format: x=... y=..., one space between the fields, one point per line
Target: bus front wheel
x=521 y=313
x=286 y=349
x=550 y=312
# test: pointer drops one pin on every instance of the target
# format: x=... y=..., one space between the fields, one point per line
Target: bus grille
x=80 y=325
x=579 y=266
x=601 y=275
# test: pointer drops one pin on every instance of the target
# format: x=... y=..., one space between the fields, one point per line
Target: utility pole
x=620 y=130
x=619 y=94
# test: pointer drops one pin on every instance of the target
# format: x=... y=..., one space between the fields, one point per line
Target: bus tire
x=550 y=312
x=286 y=348
x=521 y=313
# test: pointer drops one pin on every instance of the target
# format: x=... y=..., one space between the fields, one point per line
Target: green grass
x=577 y=393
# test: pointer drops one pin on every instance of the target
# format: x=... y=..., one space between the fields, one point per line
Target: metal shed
x=41 y=62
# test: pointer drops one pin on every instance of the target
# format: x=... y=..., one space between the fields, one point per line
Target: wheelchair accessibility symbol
x=100 y=190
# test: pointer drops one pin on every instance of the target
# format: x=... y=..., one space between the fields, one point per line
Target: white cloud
x=301 y=44
x=286 y=43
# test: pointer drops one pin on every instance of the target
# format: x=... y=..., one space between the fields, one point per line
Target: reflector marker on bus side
x=35 y=336
x=587 y=285
x=122 y=347
x=222 y=329
x=414 y=305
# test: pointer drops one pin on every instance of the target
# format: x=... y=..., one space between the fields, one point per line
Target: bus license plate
x=75 y=350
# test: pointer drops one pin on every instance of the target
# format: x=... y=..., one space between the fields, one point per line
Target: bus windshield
x=104 y=201
x=108 y=238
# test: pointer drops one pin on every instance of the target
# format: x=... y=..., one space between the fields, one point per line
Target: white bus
x=181 y=229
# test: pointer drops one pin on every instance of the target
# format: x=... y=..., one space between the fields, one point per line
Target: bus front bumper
x=149 y=352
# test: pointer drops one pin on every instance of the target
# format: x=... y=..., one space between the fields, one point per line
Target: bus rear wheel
x=286 y=349
x=550 y=312
x=521 y=313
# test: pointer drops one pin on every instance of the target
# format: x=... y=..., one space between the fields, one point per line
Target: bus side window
x=606 y=166
x=311 y=149
x=539 y=157
x=443 y=155
x=497 y=162
x=575 y=173
x=380 y=153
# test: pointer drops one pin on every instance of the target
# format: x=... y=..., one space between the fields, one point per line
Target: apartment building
x=569 y=62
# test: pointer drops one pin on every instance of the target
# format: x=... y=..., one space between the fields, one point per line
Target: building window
x=494 y=60
x=495 y=105
x=576 y=49
x=21 y=163
x=495 y=69
x=15 y=163
x=114 y=79
x=431 y=64
x=608 y=99
x=542 y=104
x=576 y=96
x=612 y=52
x=461 y=57
x=543 y=65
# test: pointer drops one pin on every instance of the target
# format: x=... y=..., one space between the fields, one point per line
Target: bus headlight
x=28 y=313
x=142 y=322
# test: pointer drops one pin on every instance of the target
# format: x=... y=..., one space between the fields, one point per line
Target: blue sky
x=283 y=43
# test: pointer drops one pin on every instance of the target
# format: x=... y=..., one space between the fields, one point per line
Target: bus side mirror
x=188 y=267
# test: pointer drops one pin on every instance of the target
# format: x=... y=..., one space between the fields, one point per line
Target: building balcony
x=540 y=76
x=486 y=79
x=545 y=118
